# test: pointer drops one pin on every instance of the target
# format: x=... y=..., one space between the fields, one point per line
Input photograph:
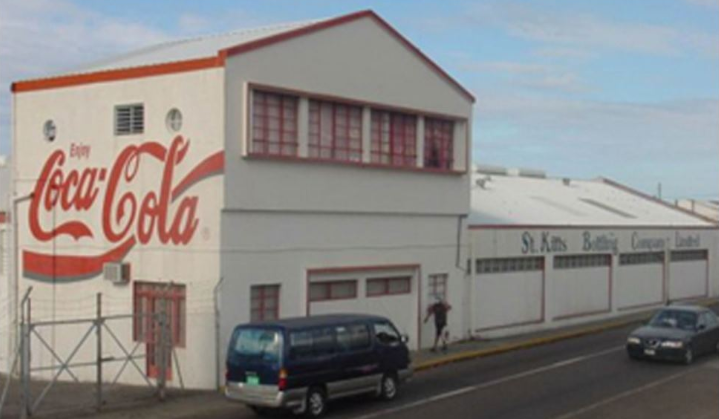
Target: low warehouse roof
x=529 y=198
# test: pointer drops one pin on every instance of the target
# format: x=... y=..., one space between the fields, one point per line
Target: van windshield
x=257 y=343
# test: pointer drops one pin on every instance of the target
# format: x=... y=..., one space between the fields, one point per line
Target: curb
x=530 y=343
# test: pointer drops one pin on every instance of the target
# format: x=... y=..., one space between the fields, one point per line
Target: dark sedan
x=676 y=333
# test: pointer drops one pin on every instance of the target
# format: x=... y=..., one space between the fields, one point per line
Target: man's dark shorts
x=439 y=327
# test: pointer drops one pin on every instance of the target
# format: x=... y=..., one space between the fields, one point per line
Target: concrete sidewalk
x=209 y=403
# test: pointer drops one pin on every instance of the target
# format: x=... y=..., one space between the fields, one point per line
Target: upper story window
x=274 y=123
x=129 y=119
x=394 y=138
x=335 y=131
x=438 y=143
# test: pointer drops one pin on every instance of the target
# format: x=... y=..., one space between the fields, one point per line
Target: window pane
x=399 y=285
x=344 y=289
x=376 y=286
x=319 y=292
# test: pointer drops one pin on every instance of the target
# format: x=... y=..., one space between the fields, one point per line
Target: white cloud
x=582 y=30
x=673 y=142
x=532 y=75
x=43 y=37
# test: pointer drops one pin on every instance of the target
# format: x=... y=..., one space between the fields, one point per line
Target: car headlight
x=672 y=344
x=634 y=340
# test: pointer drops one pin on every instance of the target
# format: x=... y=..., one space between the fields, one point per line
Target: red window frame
x=394 y=138
x=436 y=282
x=146 y=302
x=274 y=123
x=264 y=295
x=438 y=143
x=386 y=286
x=329 y=285
x=344 y=125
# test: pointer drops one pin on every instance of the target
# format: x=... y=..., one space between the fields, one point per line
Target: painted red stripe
x=211 y=165
x=64 y=267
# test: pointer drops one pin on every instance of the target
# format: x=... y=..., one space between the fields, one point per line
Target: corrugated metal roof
x=515 y=200
x=186 y=49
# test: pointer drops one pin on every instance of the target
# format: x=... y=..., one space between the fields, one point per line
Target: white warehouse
x=551 y=252
x=304 y=168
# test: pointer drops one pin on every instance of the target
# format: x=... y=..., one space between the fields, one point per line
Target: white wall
x=401 y=309
x=358 y=61
x=280 y=248
x=582 y=295
x=579 y=292
x=84 y=116
x=687 y=279
x=639 y=285
x=507 y=299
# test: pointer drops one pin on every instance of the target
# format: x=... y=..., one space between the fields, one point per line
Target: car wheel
x=316 y=403
x=259 y=411
x=388 y=387
x=688 y=356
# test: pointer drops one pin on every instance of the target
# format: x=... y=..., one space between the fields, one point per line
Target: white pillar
x=420 y=141
x=366 y=134
x=303 y=126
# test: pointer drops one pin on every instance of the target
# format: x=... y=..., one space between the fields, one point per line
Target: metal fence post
x=98 y=333
x=160 y=348
x=25 y=357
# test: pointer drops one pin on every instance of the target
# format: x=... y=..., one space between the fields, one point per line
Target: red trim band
x=64 y=268
x=119 y=74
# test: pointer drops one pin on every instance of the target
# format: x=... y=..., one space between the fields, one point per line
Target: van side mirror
x=405 y=339
x=701 y=327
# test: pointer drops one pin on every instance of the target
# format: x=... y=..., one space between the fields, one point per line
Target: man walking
x=439 y=310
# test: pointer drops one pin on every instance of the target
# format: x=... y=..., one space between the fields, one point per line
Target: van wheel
x=388 y=387
x=316 y=403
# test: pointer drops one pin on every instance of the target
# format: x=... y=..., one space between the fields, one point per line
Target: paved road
x=588 y=377
x=582 y=378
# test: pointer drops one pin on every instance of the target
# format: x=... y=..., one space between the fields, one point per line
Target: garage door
x=688 y=274
x=640 y=280
x=581 y=285
x=388 y=293
x=509 y=292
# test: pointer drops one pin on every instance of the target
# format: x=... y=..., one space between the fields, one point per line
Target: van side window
x=386 y=334
x=323 y=341
x=312 y=343
x=300 y=345
x=354 y=337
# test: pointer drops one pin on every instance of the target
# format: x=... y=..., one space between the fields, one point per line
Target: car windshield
x=675 y=319
x=257 y=343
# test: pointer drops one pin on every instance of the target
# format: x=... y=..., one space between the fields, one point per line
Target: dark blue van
x=301 y=363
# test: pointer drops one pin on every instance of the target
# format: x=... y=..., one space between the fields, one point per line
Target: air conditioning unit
x=117 y=273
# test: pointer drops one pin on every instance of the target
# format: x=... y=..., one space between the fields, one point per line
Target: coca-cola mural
x=166 y=213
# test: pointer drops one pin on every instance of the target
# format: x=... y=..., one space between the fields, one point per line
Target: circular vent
x=49 y=130
x=174 y=120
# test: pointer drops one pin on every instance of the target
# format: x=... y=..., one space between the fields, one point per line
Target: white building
x=5 y=258
x=708 y=209
x=298 y=169
x=552 y=252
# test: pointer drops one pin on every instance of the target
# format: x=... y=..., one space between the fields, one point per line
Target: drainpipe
x=218 y=364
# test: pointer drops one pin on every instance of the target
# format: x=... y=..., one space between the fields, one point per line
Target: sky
x=624 y=89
